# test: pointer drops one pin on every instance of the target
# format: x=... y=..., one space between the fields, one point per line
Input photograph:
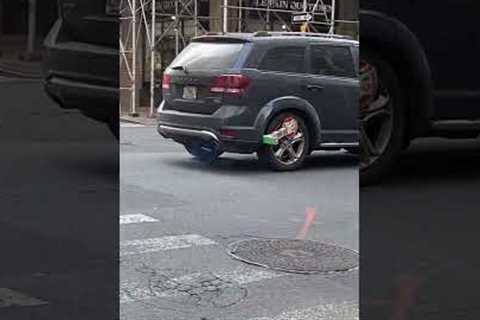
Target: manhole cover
x=297 y=256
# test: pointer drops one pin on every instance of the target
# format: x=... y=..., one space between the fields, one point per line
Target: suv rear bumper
x=95 y=101
x=79 y=75
x=186 y=127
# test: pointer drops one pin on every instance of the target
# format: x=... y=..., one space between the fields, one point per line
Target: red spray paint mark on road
x=405 y=295
x=310 y=215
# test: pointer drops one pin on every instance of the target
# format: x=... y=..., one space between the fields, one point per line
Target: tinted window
x=285 y=59
x=208 y=56
x=332 y=60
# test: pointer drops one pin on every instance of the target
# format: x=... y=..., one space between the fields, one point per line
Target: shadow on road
x=104 y=166
x=419 y=235
x=249 y=164
x=438 y=161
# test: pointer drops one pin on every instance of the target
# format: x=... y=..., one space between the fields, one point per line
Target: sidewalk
x=23 y=69
x=142 y=118
x=13 y=62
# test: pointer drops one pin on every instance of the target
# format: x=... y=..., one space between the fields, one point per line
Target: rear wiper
x=182 y=68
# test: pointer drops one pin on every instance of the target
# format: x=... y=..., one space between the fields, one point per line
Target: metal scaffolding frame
x=134 y=19
x=182 y=19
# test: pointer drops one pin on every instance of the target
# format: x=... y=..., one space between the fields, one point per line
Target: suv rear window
x=284 y=59
x=332 y=61
x=208 y=56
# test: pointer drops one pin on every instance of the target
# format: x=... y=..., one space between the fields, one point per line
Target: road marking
x=341 y=311
x=310 y=215
x=245 y=275
x=131 y=125
x=130 y=247
x=136 y=218
x=11 y=298
x=167 y=288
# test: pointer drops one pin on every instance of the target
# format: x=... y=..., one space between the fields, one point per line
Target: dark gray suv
x=281 y=95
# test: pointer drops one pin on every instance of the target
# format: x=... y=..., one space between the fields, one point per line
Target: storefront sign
x=168 y=6
x=294 y=5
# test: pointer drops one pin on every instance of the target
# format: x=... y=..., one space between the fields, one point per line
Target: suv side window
x=332 y=61
x=284 y=59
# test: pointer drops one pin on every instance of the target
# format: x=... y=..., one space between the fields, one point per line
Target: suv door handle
x=313 y=87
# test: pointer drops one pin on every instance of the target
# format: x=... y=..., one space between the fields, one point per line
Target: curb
x=15 y=72
x=139 y=120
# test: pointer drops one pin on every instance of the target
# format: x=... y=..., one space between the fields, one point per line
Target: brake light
x=166 y=81
x=232 y=84
x=228 y=133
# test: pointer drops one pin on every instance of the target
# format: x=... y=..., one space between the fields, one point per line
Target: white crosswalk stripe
x=131 y=125
x=130 y=247
x=341 y=311
x=12 y=298
x=227 y=284
x=135 y=218
x=164 y=288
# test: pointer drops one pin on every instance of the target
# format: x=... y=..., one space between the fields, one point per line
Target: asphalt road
x=59 y=219
x=178 y=217
x=422 y=225
x=59 y=209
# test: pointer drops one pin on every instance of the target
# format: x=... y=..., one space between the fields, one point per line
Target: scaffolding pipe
x=32 y=27
x=195 y=21
x=332 y=19
x=134 y=57
x=240 y=16
x=152 y=59
x=176 y=28
x=225 y=15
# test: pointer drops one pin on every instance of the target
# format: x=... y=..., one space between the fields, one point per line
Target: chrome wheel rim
x=290 y=148
x=376 y=116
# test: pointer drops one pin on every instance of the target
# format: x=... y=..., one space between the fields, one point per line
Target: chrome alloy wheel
x=290 y=148
x=376 y=115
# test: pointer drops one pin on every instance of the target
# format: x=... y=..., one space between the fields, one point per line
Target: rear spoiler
x=222 y=37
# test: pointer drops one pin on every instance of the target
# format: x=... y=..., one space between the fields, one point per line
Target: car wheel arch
x=295 y=105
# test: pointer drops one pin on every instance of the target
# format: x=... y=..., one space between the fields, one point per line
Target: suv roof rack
x=212 y=33
x=304 y=34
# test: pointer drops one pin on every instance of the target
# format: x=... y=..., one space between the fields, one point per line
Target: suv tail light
x=166 y=81
x=231 y=84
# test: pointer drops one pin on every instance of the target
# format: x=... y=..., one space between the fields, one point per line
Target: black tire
x=266 y=152
x=382 y=166
x=206 y=152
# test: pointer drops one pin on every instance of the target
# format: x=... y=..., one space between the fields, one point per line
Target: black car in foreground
x=419 y=77
x=82 y=60
x=281 y=95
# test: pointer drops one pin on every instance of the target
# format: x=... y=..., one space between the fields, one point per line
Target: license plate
x=190 y=93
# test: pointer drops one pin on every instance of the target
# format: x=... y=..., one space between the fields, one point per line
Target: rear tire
x=206 y=152
x=267 y=153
